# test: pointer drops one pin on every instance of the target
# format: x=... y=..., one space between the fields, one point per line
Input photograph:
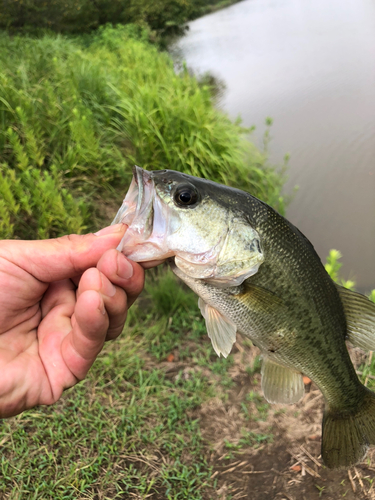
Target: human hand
x=60 y=300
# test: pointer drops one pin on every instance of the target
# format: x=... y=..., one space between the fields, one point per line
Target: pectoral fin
x=221 y=330
x=360 y=318
x=261 y=299
x=281 y=384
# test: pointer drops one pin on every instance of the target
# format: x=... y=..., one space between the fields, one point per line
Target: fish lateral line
x=267 y=282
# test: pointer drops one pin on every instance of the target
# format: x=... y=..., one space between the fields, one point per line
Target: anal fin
x=281 y=384
x=220 y=329
x=360 y=318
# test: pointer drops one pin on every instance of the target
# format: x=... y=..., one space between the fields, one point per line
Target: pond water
x=311 y=67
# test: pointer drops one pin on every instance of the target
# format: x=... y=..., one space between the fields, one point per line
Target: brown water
x=311 y=67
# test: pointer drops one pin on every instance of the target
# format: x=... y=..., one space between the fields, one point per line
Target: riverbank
x=159 y=416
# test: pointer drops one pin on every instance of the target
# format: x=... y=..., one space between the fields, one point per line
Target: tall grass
x=77 y=114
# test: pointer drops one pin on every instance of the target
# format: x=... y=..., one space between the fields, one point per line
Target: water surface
x=311 y=67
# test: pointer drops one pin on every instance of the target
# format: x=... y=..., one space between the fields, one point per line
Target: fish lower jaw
x=144 y=252
x=177 y=271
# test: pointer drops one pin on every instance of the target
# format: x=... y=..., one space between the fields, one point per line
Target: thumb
x=64 y=257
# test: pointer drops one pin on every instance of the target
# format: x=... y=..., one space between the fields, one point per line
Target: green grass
x=109 y=438
x=127 y=429
x=249 y=439
x=77 y=113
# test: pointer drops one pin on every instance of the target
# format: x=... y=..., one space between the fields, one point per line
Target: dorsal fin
x=360 y=318
x=220 y=329
x=281 y=384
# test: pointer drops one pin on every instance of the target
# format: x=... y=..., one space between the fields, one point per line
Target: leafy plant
x=333 y=267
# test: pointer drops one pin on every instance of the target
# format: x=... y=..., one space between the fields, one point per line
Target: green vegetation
x=333 y=267
x=249 y=438
x=77 y=114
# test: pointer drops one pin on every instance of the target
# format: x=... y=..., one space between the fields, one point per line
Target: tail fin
x=347 y=436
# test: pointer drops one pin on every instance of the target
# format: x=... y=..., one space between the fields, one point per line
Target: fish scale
x=255 y=273
x=309 y=292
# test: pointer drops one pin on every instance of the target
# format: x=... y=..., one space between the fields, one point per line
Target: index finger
x=62 y=258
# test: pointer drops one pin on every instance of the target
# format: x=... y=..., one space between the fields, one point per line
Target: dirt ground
x=288 y=465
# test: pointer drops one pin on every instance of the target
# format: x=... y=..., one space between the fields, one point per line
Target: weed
x=255 y=368
x=320 y=489
x=258 y=404
x=333 y=267
x=220 y=367
x=249 y=439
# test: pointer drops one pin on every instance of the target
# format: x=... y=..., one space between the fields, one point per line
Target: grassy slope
x=76 y=115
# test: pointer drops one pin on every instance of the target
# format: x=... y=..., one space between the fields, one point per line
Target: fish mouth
x=132 y=204
x=136 y=210
x=147 y=220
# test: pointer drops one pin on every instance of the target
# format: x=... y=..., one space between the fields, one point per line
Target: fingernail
x=117 y=228
x=124 y=267
x=108 y=288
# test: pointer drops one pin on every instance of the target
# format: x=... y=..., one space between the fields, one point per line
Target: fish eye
x=185 y=195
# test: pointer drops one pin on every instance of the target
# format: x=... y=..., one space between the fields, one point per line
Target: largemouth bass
x=256 y=273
